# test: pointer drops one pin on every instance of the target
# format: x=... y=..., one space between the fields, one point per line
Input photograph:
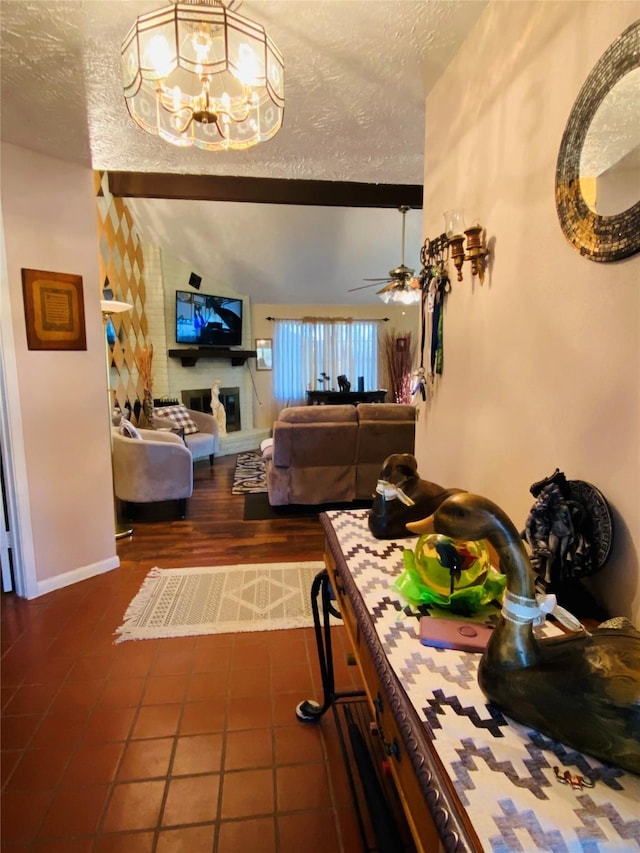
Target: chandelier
x=197 y=73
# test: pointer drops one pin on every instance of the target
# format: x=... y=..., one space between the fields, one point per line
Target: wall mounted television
x=204 y=320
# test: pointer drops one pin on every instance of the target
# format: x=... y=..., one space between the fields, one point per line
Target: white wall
x=542 y=363
x=65 y=494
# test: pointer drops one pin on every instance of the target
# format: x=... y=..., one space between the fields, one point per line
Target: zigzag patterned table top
x=502 y=771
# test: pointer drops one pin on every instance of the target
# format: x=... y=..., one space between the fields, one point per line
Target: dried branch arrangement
x=399 y=355
x=144 y=362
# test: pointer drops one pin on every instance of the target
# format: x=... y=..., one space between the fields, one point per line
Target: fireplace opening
x=200 y=400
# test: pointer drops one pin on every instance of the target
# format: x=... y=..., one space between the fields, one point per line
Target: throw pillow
x=128 y=430
x=180 y=417
x=266 y=448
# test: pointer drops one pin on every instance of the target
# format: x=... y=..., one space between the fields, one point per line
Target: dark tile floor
x=160 y=746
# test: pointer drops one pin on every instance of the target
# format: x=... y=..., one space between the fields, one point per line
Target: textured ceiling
x=356 y=76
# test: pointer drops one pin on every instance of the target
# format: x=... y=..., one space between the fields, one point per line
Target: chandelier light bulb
x=248 y=72
x=202 y=46
x=158 y=56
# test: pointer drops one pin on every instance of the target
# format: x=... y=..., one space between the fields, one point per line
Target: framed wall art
x=54 y=310
x=264 y=357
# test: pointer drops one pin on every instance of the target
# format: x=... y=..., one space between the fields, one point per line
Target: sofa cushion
x=201 y=444
x=180 y=417
x=385 y=412
x=318 y=414
x=383 y=429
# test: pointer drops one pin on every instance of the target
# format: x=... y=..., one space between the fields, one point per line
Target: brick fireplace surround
x=237 y=439
x=200 y=400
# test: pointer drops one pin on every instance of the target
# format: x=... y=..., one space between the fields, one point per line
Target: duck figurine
x=581 y=688
x=401 y=496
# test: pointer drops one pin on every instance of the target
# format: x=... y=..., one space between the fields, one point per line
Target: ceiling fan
x=400 y=284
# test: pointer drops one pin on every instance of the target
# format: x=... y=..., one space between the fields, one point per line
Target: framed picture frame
x=264 y=354
x=54 y=310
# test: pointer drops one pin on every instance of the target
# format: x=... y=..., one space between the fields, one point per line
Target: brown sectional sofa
x=325 y=454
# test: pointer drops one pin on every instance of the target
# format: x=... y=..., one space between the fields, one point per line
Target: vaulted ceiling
x=356 y=77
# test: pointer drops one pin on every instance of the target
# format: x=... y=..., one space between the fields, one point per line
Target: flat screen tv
x=204 y=320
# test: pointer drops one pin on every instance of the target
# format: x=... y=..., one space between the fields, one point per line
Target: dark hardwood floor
x=213 y=531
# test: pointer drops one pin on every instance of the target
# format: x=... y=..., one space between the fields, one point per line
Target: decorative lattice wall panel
x=122 y=270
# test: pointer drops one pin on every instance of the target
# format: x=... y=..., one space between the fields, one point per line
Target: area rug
x=220 y=600
x=258 y=508
x=249 y=476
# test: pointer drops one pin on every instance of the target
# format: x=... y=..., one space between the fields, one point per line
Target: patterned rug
x=220 y=600
x=249 y=476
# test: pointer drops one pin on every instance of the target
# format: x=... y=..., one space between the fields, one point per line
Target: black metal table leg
x=309 y=710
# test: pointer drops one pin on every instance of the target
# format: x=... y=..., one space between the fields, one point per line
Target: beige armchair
x=155 y=467
x=202 y=444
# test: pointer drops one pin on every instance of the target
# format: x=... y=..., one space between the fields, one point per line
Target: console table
x=338 y=398
x=468 y=778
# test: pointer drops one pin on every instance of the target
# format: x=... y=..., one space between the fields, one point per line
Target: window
x=304 y=349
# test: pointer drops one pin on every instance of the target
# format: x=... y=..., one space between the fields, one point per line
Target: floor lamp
x=108 y=308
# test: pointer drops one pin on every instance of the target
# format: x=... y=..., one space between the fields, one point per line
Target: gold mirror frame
x=598 y=238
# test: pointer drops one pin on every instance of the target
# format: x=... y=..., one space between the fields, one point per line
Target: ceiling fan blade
x=364 y=286
x=390 y=286
x=382 y=278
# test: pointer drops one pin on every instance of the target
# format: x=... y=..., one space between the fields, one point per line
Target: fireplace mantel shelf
x=189 y=357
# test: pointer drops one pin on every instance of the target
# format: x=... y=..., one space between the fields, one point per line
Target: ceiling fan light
x=229 y=73
x=410 y=297
x=402 y=294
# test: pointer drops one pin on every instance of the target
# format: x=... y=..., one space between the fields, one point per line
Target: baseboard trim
x=81 y=574
x=236 y=442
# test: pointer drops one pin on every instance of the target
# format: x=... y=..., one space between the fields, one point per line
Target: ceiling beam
x=263 y=190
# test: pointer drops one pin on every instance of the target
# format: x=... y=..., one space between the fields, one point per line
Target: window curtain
x=304 y=349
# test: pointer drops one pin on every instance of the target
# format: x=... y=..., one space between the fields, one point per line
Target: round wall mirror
x=598 y=170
